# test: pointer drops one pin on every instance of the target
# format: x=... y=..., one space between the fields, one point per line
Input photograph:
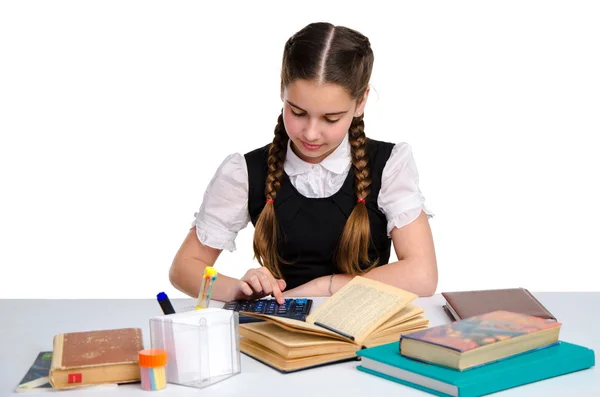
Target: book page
x=292 y=344
x=393 y=334
x=297 y=326
x=417 y=323
x=407 y=313
x=291 y=339
x=360 y=307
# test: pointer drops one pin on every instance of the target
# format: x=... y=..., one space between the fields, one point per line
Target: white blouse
x=224 y=209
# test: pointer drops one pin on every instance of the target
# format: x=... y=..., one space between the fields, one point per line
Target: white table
x=28 y=326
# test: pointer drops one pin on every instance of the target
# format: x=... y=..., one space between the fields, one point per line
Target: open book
x=364 y=313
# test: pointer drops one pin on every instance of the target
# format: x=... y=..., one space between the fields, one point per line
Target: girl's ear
x=360 y=109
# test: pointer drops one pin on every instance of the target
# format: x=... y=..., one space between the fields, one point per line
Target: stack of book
x=478 y=355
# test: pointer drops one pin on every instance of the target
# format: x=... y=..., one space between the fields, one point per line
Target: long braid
x=360 y=160
x=354 y=242
x=265 y=233
x=277 y=151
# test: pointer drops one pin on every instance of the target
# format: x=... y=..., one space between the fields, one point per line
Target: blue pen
x=165 y=303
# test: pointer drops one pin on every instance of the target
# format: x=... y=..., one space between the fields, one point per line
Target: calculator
x=295 y=308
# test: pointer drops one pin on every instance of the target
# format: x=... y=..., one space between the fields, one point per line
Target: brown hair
x=323 y=53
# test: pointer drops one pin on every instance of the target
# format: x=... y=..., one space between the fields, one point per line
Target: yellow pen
x=210 y=275
x=201 y=292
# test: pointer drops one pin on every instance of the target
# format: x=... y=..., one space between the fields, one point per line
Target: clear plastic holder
x=202 y=345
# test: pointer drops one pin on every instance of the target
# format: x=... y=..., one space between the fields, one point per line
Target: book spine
x=57 y=354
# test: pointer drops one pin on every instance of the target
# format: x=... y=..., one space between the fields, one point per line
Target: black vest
x=309 y=228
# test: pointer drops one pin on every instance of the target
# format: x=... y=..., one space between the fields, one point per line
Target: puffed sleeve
x=224 y=209
x=400 y=198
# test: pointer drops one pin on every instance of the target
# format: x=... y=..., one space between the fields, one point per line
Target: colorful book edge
x=474 y=332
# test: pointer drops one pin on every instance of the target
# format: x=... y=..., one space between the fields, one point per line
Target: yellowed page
x=298 y=326
x=389 y=338
x=292 y=344
x=407 y=313
x=417 y=322
x=360 y=307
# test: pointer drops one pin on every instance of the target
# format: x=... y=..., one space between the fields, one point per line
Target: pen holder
x=202 y=345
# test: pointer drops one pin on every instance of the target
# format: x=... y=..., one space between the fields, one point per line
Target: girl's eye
x=304 y=114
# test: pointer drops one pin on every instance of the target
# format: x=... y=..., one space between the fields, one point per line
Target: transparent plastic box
x=202 y=345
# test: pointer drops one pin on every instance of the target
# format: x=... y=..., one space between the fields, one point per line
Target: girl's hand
x=258 y=283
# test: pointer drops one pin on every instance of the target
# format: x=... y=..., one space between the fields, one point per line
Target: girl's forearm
x=410 y=275
x=405 y=274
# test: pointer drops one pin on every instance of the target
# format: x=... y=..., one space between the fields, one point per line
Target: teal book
x=562 y=358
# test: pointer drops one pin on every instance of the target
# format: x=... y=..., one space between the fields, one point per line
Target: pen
x=210 y=275
x=165 y=303
x=201 y=292
x=210 y=288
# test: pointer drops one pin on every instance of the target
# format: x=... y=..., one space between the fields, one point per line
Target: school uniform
x=312 y=205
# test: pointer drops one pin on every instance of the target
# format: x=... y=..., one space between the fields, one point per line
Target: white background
x=114 y=115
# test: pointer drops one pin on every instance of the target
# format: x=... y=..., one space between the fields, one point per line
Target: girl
x=326 y=202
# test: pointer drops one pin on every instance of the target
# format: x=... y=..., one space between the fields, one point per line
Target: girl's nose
x=311 y=133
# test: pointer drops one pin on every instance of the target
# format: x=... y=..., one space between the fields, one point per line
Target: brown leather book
x=95 y=357
x=463 y=304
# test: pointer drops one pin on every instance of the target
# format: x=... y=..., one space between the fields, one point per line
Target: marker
x=165 y=303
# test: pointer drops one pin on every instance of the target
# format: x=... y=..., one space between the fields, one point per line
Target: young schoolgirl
x=326 y=201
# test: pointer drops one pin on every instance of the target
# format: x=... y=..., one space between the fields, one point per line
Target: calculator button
x=270 y=309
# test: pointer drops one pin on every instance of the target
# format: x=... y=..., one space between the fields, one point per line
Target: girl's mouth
x=311 y=147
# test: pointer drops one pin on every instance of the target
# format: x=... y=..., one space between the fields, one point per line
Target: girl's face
x=317 y=117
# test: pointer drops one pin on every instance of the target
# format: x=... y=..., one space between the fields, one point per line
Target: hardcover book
x=480 y=339
x=95 y=357
x=464 y=304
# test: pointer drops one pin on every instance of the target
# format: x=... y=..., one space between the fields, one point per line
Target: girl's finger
x=255 y=284
x=245 y=288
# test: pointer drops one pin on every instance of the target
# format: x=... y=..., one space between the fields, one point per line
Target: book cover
x=95 y=357
x=36 y=378
x=386 y=361
x=464 y=304
x=475 y=332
